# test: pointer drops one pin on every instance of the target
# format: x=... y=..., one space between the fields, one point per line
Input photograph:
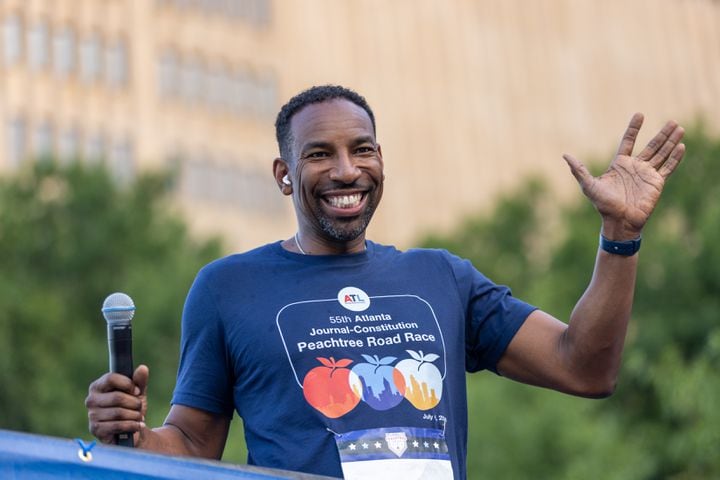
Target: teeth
x=345 y=201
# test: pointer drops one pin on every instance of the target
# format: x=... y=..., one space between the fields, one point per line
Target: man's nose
x=345 y=170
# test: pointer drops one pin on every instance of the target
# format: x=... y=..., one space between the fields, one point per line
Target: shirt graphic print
x=384 y=351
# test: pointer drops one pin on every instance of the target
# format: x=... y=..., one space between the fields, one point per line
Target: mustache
x=340 y=186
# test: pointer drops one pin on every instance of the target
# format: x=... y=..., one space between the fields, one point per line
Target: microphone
x=118 y=309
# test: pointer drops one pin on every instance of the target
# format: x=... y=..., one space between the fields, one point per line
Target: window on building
x=63 y=51
x=205 y=6
x=235 y=8
x=191 y=79
x=68 y=145
x=38 y=45
x=226 y=89
x=94 y=147
x=264 y=13
x=207 y=80
x=15 y=141
x=168 y=73
x=258 y=12
x=243 y=93
x=12 y=39
x=184 y=3
x=90 y=59
x=116 y=64
x=214 y=91
x=272 y=102
x=258 y=96
x=42 y=140
x=121 y=160
x=217 y=177
x=255 y=12
x=191 y=178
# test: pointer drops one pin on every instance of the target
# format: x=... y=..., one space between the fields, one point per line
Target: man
x=346 y=357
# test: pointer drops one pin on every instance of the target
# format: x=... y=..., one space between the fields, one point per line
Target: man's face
x=336 y=170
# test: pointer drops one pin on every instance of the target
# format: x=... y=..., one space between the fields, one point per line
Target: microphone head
x=118 y=308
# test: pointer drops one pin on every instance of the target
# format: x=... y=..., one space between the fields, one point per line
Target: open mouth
x=345 y=201
x=346 y=204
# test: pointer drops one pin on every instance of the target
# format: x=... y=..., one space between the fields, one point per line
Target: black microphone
x=118 y=310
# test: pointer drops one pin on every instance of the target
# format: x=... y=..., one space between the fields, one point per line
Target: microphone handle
x=120 y=348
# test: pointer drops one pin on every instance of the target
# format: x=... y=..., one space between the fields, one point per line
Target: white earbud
x=286 y=180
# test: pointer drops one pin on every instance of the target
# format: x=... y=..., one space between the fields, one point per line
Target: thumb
x=579 y=171
x=140 y=379
x=141 y=434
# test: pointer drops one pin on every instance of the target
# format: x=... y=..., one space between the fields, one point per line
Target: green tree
x=661 y=423
x=68 y=238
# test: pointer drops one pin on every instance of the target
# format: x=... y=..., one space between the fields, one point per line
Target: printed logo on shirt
x=354 y=299
x=396 y=442
x=392 y=354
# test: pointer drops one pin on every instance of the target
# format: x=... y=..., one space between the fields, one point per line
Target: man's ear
x=281 y=172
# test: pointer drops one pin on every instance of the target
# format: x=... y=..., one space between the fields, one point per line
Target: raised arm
x=118 y=404
x=583 y=357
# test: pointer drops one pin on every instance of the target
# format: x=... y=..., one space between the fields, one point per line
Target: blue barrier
x=36 y=457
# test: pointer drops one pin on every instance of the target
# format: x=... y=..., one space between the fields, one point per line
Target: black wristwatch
x=627 y=248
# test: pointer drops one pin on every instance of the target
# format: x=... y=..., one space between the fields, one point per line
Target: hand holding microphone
x=118 y=310
x=116 y=402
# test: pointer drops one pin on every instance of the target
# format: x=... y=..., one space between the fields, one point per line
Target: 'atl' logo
x=353 y=298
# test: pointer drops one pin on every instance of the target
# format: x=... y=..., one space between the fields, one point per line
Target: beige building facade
x=471 y=96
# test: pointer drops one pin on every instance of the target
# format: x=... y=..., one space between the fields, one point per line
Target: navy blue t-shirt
x=355 y=358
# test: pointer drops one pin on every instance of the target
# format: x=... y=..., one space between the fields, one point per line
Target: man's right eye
x=316 y=155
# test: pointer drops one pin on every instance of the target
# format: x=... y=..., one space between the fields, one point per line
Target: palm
x=629 y=190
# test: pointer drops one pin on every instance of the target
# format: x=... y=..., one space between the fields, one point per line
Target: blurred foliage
x=663 y=420
x=69 y=237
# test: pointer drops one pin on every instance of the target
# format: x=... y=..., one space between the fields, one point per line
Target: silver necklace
x=297 y=243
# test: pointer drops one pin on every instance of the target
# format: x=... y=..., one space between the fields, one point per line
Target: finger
x=667 y=148
x=657 y=141
x=628 y=141
x=106 y=431
x=113 y=400
x=673 y=161
x=111 y=382
x=97 y=415
x=579 y=171
x=140 y=378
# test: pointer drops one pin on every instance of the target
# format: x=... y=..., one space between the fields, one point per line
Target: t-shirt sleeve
x=492 y=316
x=204 y=378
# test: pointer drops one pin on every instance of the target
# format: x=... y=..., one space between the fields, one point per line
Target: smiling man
x=332 y=166
x=345 y=357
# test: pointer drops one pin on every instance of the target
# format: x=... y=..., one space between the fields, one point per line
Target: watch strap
x=626 y=248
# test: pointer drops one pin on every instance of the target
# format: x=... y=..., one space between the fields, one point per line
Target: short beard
x=335 y=229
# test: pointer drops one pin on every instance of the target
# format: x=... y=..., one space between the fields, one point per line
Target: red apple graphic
x=327 y=388
x=422 y=379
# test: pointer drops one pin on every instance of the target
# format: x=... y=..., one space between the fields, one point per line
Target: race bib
x=407 y=453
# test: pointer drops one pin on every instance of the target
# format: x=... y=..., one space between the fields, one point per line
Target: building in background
x=471 y=96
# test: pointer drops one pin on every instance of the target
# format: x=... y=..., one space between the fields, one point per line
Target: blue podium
x=36 y=457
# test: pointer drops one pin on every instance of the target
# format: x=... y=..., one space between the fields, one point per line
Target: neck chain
x=297 y=244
